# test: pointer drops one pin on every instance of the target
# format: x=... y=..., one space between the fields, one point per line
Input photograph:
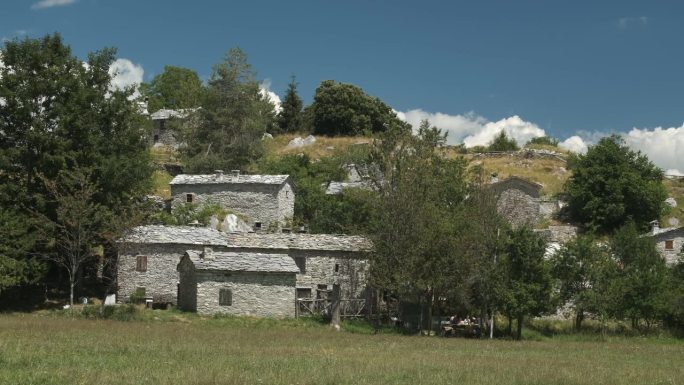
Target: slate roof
x=324 y=242
x=248 y=262
x=167 y=114
x=527 y=186
x=185 y=179
x=185 y=235
x=662 y=231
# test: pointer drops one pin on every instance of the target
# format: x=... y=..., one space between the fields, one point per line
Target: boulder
x=233 y=224
x=671 y=202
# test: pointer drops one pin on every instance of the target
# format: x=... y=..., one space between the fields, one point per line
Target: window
x=257 y=225
x=301 y=264
x=156 y=138
x=337 y=268
x=303 y=292
x=669 y=244
x=189 y=198
x=225 y=297
x=141 y=263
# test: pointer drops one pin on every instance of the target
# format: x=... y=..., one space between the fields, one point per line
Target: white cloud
x=472 y=129
x=265 y=90
x=575 y=144
x=663 y=146
x=124 y=74
x=51 y=3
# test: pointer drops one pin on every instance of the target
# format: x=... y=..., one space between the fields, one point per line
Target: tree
x=290 y=117
x=175 y=88
x=612 y=185
x=18 y=265
x=642 y=276
x=344 y=109
x=421 y=193
x=584 y=269
x=527 y=290
x=80 y=224
x=57 y=114
x=503 y=143
x=544 y=140
x=226 y=133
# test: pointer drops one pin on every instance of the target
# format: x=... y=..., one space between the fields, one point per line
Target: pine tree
x=290 y=117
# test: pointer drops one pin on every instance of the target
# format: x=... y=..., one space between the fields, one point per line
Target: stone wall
x=677 y=238
x=258 y=202
x=257 y=294
x=161 y=278
x=518 y=207
x=347 y=269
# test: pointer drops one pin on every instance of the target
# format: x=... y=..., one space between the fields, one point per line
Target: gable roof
x=242 y=261
x=285 y=241
x=184 y=235
x=220 y=178
x=515 y=182
x=668 y=231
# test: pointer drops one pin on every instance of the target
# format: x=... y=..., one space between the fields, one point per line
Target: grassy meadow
x=174 y=348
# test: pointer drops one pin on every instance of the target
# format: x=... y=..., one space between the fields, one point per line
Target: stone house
x=519 y=201
x=237 y=283
x=148 y=257
x=323 y=260
x=162 y=135
x=669 y=242
x=264 y=201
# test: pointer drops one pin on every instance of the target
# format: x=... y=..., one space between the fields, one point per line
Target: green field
x=178 y=349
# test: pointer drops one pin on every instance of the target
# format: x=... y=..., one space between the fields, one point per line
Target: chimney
x=219 y=173
x=207 y=253
x=236 y=174
x=655 y=225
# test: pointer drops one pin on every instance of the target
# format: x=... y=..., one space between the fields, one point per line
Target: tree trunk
x=520 y=323
x=579 y=317
x=71 y=293
x=431 y=300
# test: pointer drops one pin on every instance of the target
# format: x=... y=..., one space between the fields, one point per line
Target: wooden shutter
x=225 y=297
x=141 y=263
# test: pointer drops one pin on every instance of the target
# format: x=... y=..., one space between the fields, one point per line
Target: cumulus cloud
x=472 y=129
x=51 y=3
x=125 y=73
x=663 y=146
x=575 y=144
x=265 y=90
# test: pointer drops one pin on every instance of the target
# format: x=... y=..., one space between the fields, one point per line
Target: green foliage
x=189 y=213
x=138 y=296
x=528 y=282
x=128 y=312
x=59 y=115
x=175 y=88
x=503 y=143
x=226 y=133
x=344 y=109
x=585 y=271
x=641 y=283
x=417 y=227
x=544 y=141
x=612 y=185
x=17 y=240
x=290 y=117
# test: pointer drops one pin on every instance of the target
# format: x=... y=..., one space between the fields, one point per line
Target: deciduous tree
x=175 y=88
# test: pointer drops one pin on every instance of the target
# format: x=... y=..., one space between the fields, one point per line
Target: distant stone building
x=669 y=242
x=162 y=134
x=237 y=283
x=518 y=200
x=148 y=257
x=264 y=201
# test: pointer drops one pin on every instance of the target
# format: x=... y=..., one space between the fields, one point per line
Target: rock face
x=299 y=142
x=231 y=223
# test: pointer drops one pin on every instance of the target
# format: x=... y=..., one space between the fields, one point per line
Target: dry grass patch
x=324 y=146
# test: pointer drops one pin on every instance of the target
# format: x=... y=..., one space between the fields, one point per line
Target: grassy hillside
x=54 y=350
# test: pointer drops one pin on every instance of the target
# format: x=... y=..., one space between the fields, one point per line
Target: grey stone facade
x=162 y=247
x=265 y=201
x=258 y=284
x=664 y=238
x=518 y=200
x=162 y=135
x=323 y=259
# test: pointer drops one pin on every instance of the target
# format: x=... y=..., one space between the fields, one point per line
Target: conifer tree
x=290 y=117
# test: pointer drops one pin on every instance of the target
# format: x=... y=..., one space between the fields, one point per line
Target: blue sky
x=570 y=69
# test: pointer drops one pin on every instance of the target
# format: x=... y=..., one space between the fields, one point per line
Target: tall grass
x=233 y=350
